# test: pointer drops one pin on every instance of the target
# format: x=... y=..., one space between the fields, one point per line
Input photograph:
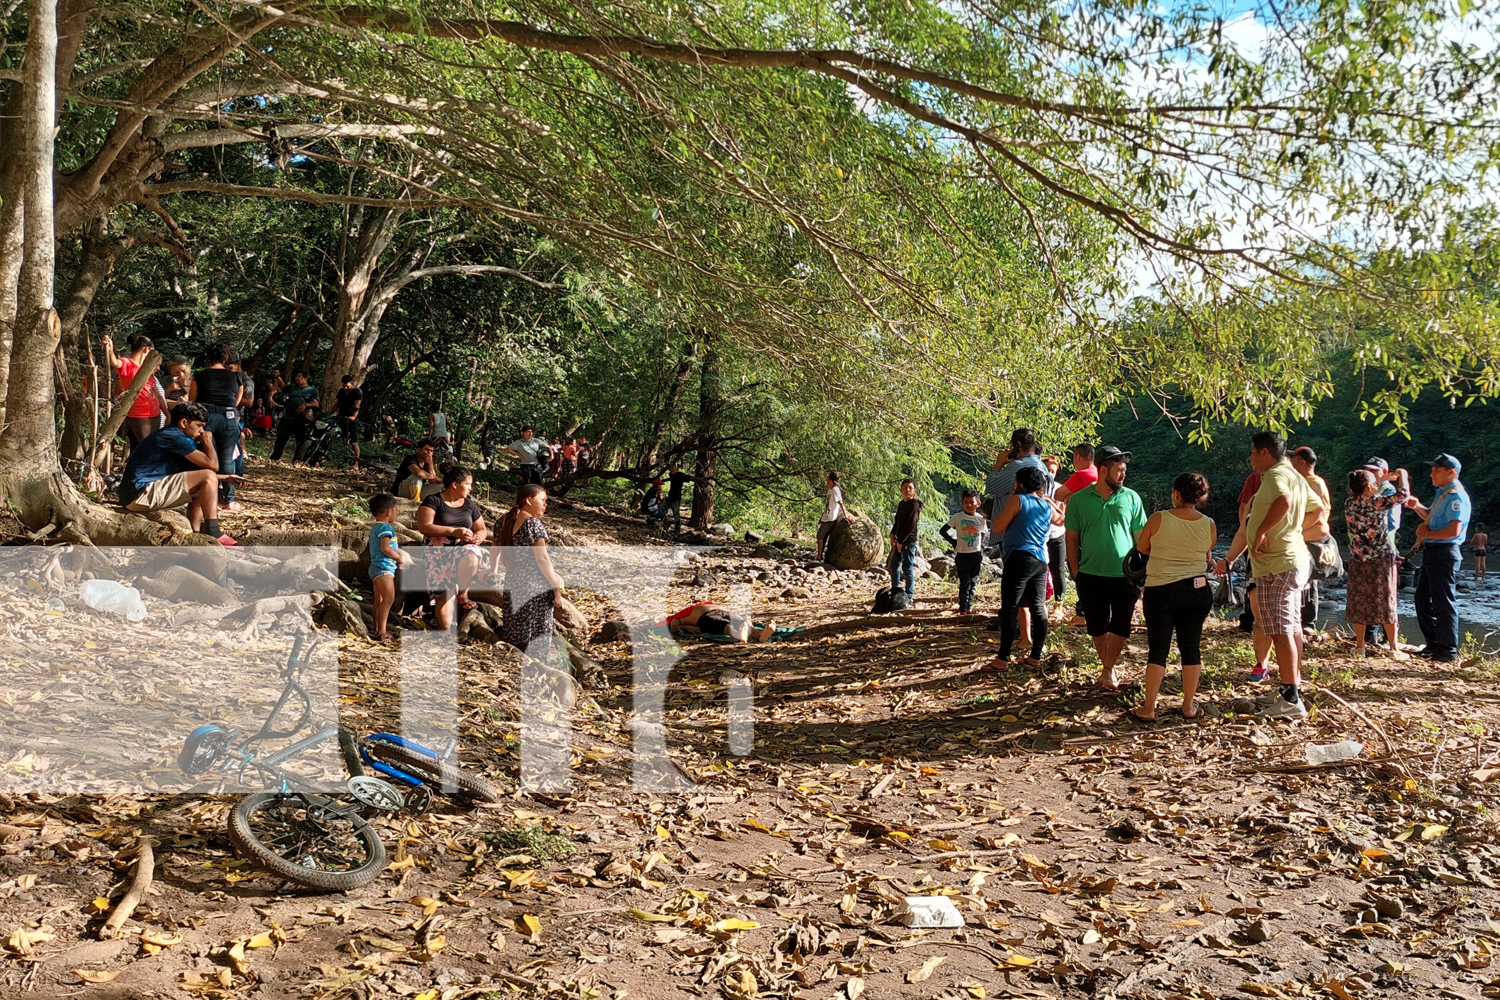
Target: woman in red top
x=144 y=417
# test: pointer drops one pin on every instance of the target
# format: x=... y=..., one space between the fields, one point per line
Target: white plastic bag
x=113 y=597
x=928 y=911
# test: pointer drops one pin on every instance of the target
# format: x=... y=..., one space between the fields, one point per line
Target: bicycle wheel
x=307 y=839
x=437 y=772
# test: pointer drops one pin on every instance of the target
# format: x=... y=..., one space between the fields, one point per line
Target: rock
x=754 y=537
x=856 y=542
x=568 y=618
x=1259 y=931
x=764 y=576
x=613 y=631
x=782 y=543
x=1369 y=915
x=765 y=552
x=795 y=593
x=1387 y=906
x=721 y=530
x=989 y=572
x=941 y=567
x=1244 y=706
x=921 y=567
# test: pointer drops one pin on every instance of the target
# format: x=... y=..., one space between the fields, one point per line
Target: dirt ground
x=1089 y=855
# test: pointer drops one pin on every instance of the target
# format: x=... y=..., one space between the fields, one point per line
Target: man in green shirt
x=1280 y=566
x=1102 y=523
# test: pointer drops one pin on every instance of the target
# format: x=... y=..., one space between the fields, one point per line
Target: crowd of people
x=1094 y=530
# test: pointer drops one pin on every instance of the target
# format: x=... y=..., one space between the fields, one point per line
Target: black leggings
x=1056 y=565
x=1023 y=584
x=1179 y=607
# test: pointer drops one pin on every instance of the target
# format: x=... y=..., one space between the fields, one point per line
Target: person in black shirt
x=349 y=398
x=904 y=537
x=676 y=479
x=218 y=390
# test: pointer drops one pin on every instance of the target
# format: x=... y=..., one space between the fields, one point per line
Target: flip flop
x=1130 y=715
x=995 y=666
x=1191 y=718
x=468 y=605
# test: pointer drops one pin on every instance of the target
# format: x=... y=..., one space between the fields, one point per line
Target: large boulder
x=856 y=542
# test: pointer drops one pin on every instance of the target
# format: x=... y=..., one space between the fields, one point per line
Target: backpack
x=888 y=600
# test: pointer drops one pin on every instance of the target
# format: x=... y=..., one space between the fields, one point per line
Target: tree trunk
x=31 y=479
x=668 y=409
x=710 y=399
x=295 y=351
x=373 y=231
x=100 y=254
x=257 y=359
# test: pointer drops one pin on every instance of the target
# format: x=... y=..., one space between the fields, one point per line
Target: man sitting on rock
x=177 y=466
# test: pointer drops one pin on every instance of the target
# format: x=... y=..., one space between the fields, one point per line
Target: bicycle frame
x=225 y=748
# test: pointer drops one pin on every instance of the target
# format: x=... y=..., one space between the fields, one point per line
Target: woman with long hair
x=218 y=390
x=144 y=416
x=1178 y=597
x=532 y=586
x=453 y=522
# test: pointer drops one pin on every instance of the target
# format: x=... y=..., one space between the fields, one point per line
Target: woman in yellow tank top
x=1178 y=597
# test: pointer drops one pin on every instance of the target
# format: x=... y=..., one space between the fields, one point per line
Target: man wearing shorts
x=1280 y=565
x=1102 y=523
x=177 y=467
x=350 y=397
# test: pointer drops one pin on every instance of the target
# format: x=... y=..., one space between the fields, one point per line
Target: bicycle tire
x=250 y=846
x=439 y=772
x=351 y=754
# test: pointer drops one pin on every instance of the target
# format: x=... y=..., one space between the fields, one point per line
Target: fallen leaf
x=531 y=927
x=100 y=904
x=734 y=925
x=925 y=970
x=1433 y=831
x=97 y=975
x=426 y=995
x=1016 y=958
x=22 y=940
x=429 y=906
x=854 y=987
x=649 y=917
x=497 y=941
x=237 y=958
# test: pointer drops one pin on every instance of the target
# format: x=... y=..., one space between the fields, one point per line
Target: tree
x=856 y=207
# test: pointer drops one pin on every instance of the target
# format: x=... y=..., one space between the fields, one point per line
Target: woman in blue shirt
x=1023 y=524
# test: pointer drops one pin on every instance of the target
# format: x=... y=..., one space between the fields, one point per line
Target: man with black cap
x=1442 y=532
x=1102 y=524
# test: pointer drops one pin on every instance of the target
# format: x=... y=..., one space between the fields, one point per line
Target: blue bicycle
x=312 y=839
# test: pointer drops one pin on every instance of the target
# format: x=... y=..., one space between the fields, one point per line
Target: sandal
x=995 y=666
x=1130 y=714
x=468 y=605
x=384 y=638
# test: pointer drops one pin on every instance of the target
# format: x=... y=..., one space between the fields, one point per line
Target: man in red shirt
x=1086 y=476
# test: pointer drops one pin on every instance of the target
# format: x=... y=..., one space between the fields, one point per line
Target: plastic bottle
x=116 y=598
x=1346 y=750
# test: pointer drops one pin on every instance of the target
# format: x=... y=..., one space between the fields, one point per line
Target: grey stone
x=754 y=537
x=941 y=567
x=1259 y=931
x=856 y=542
x=721 y=530
x=795 y=593
x=1387 y=906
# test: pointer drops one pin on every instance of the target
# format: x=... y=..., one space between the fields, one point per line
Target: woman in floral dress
x=532 y=586
x=1371 y=596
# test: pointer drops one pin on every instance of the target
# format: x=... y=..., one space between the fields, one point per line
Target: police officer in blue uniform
x=1442 y=532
